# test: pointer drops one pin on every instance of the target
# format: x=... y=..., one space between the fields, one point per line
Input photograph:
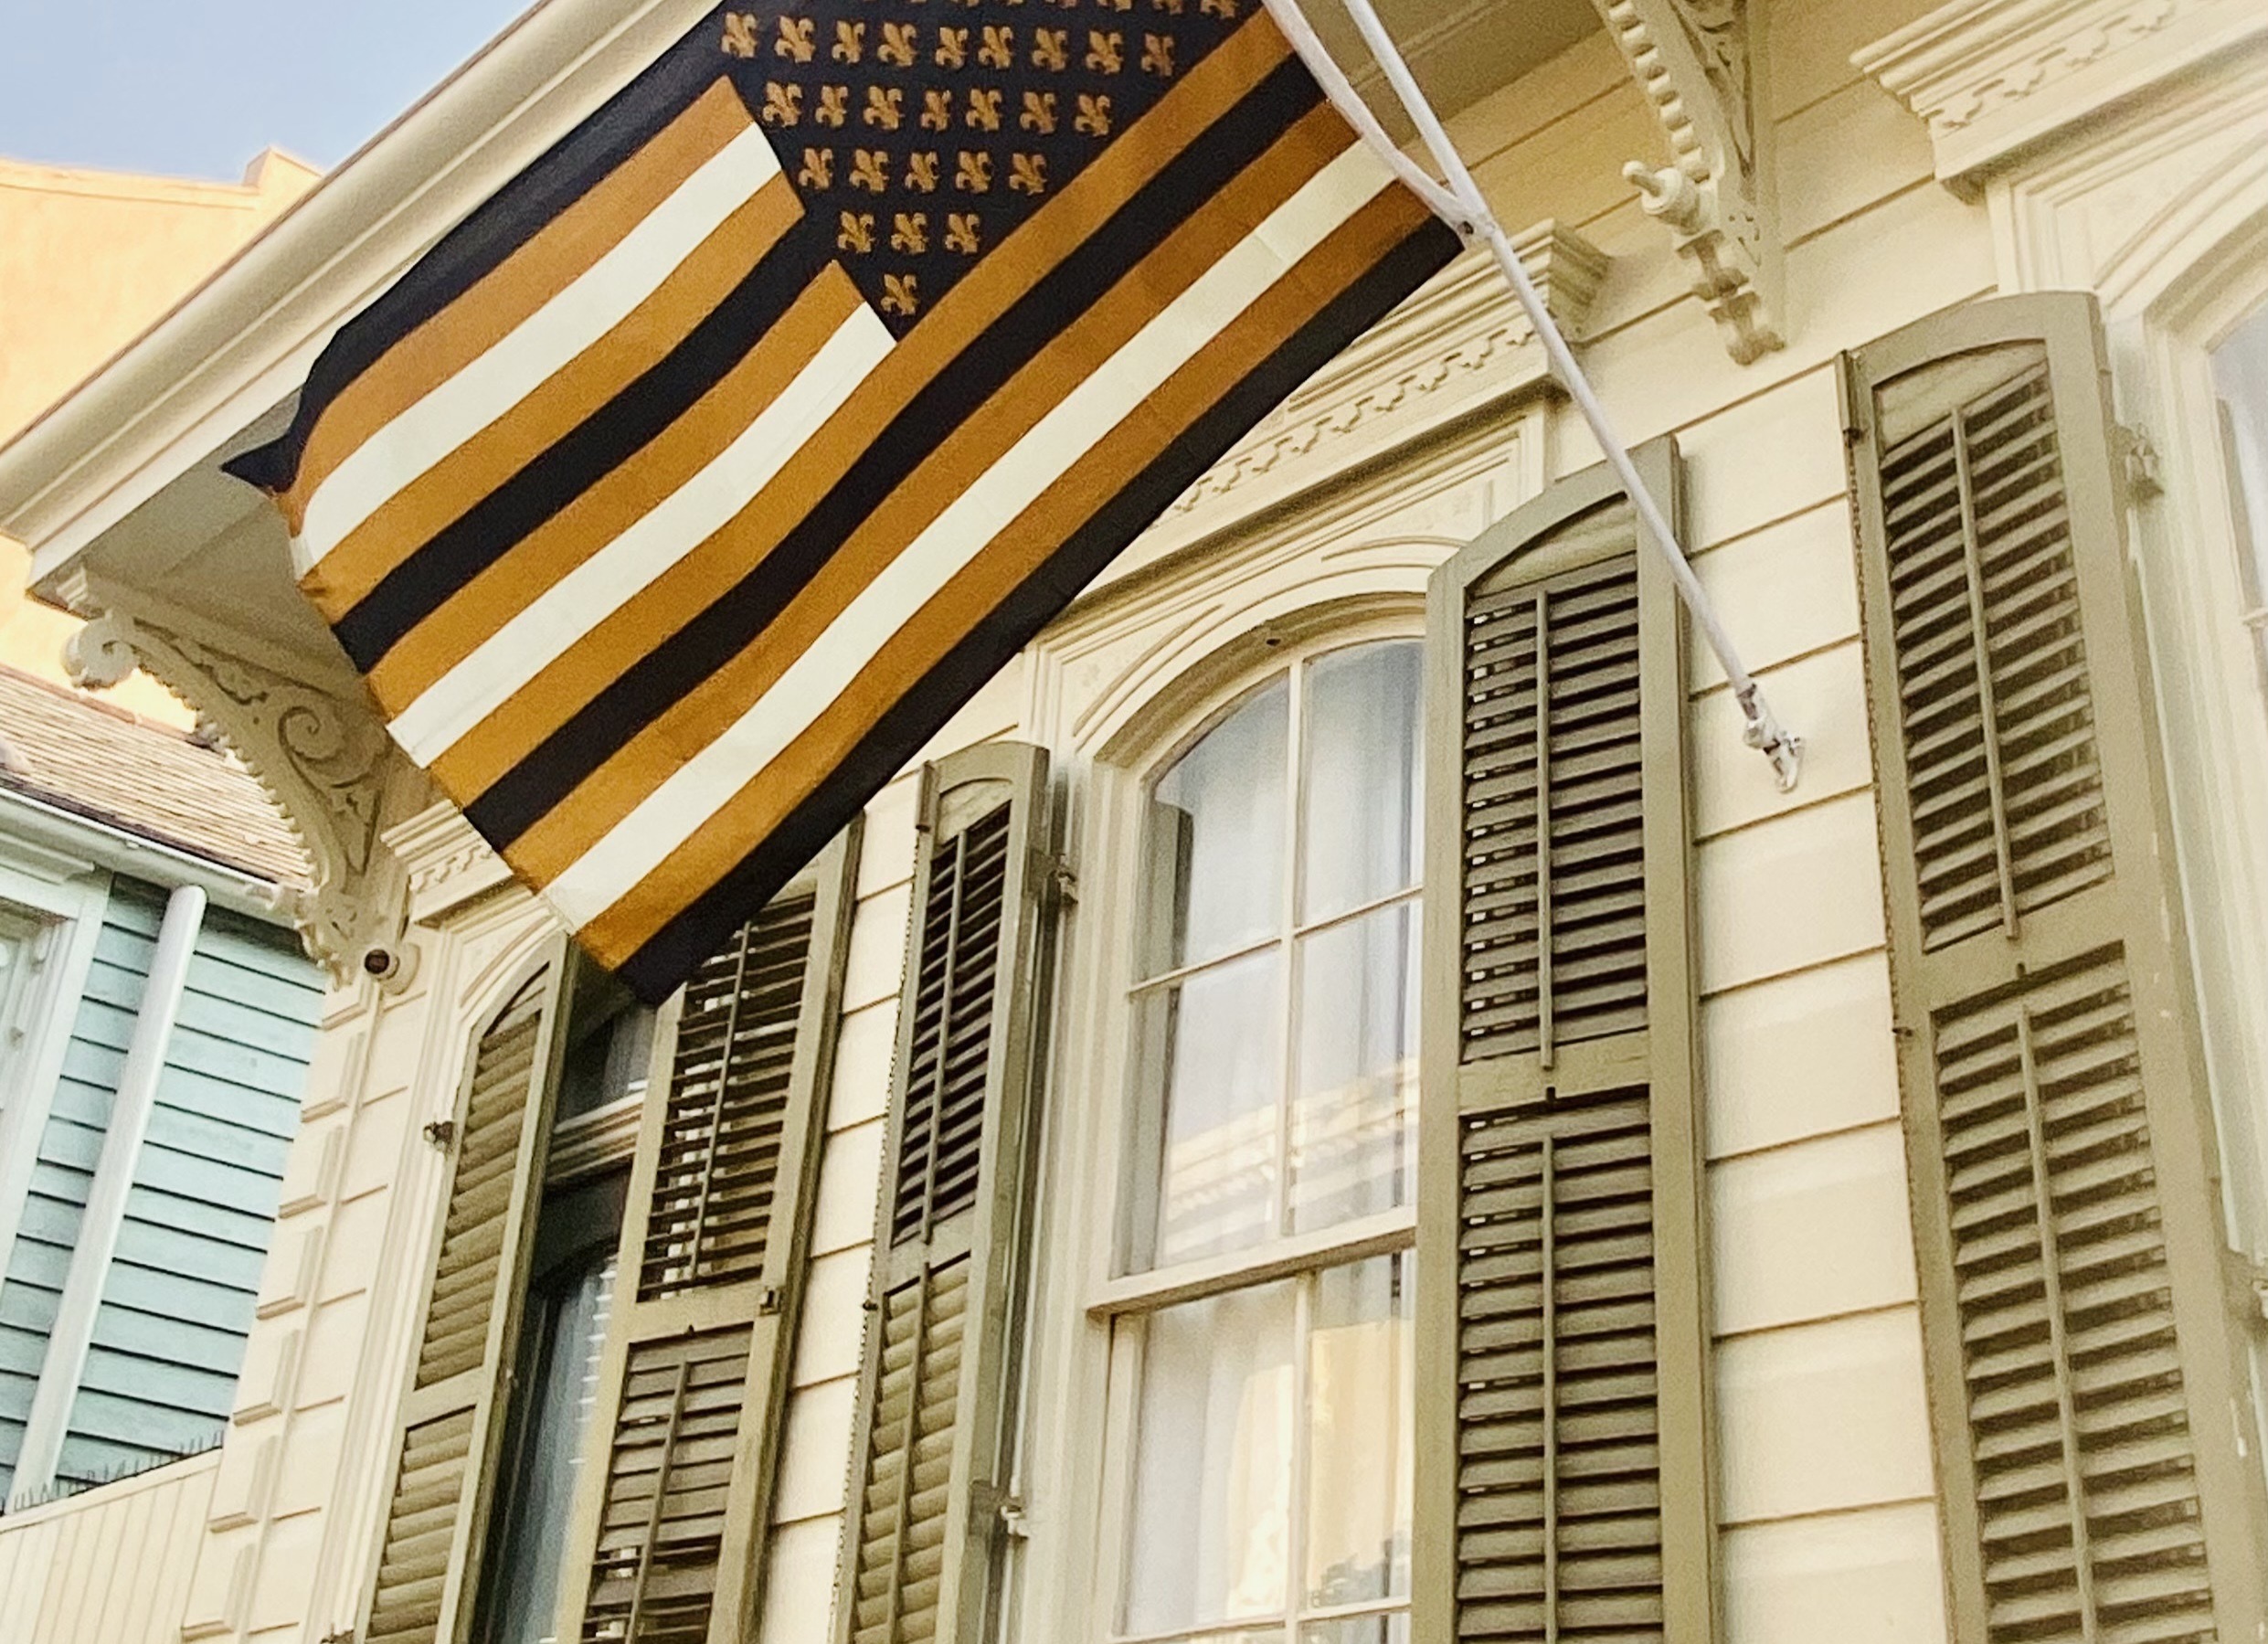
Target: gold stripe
x=705 y=714
x=1018 y=552
x=552 y=260
x=539 y=561
x=563 y=689
x=562 y=403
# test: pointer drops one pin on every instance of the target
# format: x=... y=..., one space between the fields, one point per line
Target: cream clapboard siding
x=112 y=1567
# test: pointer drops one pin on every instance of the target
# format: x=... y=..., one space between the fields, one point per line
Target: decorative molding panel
x=1995 y=77
x=448 y=864
x=324 y=762
x=1452 y=350
x=1699 y=62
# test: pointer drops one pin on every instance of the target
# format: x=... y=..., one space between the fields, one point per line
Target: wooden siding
x=108 y=1568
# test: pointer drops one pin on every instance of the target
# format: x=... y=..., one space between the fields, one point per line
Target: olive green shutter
x=1562 y=1449
x=931 y=1456
x=676 y=1483
x=452 y=1414
x=2083 y=1372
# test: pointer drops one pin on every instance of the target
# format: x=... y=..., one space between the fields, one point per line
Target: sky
x=197 y=88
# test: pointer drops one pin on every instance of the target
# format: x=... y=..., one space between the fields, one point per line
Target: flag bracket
x=1459 y=201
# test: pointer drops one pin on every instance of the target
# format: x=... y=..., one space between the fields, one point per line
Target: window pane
x=1213 y=1464
x=610 y=1036
x=2241 y=377
x=1360 y=1412
x=1216 y=822
x=1353 y=1124
x=568 y=1331
x=1364 y=738
x=1359 y=1629
x=1213 y=1070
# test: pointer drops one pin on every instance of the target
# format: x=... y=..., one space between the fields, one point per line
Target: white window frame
x=1096 y=1369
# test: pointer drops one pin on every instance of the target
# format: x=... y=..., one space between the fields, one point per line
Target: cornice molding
x=448 y=863
x=1699 y=64
x=1994 y=79
x=1453 y=349
x=324 y=762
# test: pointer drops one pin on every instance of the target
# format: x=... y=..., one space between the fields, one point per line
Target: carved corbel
x=325 y=763
x=1699 y=64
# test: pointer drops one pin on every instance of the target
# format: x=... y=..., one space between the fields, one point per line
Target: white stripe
x=590 y=593
x=597 y=301
x=681 y=806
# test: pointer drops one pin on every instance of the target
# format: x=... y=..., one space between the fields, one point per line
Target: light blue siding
x=177 y=1302
x=68 y=1146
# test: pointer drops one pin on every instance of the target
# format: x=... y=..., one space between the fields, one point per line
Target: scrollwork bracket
x=1699 y=64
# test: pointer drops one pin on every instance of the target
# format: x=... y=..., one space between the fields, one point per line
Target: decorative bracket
x=1699 y=64
x=323 y=761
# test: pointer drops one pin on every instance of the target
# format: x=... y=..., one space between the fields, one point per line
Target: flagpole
x=1465 y=208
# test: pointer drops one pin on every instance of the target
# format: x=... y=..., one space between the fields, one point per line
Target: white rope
x=1465 y=209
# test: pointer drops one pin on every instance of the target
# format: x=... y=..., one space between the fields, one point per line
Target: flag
x=675 y=500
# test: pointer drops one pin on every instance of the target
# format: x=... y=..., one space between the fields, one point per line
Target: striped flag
x=676 y=499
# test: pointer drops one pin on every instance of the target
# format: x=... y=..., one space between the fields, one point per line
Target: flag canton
x=921 y=133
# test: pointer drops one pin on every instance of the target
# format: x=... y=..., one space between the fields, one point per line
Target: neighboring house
x=1094 y=1205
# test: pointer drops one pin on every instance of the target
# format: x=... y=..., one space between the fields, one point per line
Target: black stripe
x=607 y=437
x=475 y=248
x=656 y=968
x=650 y=687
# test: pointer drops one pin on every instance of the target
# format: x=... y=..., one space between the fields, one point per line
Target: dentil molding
x=1994 y=78
x=1699 y=62
x=325 y=763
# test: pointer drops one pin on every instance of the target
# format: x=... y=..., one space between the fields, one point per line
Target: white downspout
x=105 y=1213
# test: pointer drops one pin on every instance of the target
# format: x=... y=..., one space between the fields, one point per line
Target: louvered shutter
x=929 y=1456
x=1562 y=1447
x=675 y=1489
x=451 y=1418
x=2085 y=1378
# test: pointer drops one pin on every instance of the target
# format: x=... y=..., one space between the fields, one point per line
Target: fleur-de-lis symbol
x=973 y=173
x=897 y=44
x=1102 y=51
x=1028 y=175
x=984 y=111
x=885 y=107
x=952 y=51
x=909 y=232
x=739 y=33
x=855 y=232
x=1094 y=117
x=960 y=233
x=1050 y=48
x=936 y=111
x=867 y=170
x=921 y=173
x=1039 y=113
x=999 y=50
x=1218 y=8
x=834 y=105
x=898 y=295
x=819 y=169
x=783 y=105
x=795 y=41
x=1158 y=55
x=850 y=42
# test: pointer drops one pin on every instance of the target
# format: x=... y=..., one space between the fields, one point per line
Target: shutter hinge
x=2247 y=1279
x=768 y=1302
x=1846 y=402
x=990 y=1501
x=345 y=1635
x=2137 y=462
x=440 y=1132
x=1055 y=878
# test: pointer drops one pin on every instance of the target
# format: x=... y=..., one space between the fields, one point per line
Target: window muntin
x=1279 y=956
x=1262 y=1329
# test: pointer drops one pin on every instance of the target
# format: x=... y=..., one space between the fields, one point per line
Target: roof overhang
x=118 y=487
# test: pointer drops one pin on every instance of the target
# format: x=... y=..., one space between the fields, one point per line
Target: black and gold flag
x=686 y=489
